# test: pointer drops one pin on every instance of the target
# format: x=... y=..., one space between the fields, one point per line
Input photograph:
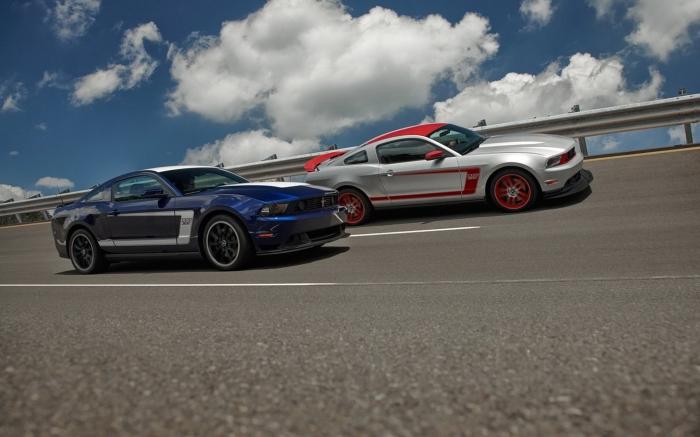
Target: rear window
x=357 y=158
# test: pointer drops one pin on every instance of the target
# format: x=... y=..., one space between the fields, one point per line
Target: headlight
x=274 y=209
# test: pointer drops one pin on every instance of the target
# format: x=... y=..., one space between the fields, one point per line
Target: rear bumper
x=577 y=183
x=282 y=234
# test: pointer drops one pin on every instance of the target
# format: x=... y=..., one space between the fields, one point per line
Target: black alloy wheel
x=225 y=243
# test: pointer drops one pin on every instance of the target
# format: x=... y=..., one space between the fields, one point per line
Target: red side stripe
x=472 y=180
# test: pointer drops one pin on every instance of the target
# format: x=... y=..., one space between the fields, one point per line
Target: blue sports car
x=187 y=209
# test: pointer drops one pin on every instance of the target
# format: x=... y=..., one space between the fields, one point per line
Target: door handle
x=389 y=173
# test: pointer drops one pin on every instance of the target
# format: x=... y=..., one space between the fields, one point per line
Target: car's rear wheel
x=357 y=205
x=225 y=243
x=85 y=254
x=513 y=190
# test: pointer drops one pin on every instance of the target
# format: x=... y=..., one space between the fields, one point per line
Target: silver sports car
x=443 y=163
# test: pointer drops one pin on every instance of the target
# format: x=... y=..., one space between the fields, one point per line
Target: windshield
x=194 y=180
x=457 y=138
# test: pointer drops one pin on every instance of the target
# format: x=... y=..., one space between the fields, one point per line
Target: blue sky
x=90 y=89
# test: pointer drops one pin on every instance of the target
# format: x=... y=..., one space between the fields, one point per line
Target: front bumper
x=290 y=233
x=577 y=183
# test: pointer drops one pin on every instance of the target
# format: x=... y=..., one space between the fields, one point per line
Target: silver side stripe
x=148 y=214
x=183 y=237
x=138 y=242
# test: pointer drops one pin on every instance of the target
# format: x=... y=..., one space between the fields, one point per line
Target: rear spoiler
x=311 y=165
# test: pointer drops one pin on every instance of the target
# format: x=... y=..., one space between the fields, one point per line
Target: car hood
x=272 y=191
x=541 y=144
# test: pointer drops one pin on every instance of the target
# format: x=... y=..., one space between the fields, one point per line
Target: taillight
x=561 y=159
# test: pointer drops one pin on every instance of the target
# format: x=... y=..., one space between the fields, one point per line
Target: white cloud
x=316 y=70
x=10 y=104
x=11 y=95
x=97 y=85
x=244 y=147
x=103 y=82
x=537 y=12
x=663 y=27
x=602 y=7
x=610 y=144
x=14 y=153
x=41 y=126
x=71 y=19
x=586 y=81
x=53 y=182
x=52 y=79
x=13 y=192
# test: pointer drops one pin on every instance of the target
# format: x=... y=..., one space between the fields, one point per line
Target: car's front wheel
x=85 y=254
x=225 y=243
x=357 y=206
x=513 y=190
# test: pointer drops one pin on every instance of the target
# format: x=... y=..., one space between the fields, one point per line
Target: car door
x=142 y=215
x=415 y=171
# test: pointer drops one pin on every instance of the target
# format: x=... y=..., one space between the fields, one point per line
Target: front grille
x=327 y=201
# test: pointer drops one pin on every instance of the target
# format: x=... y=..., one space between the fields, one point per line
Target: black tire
x=225 y=243
x=359 y=208
x=85 y=253
x=513 y=190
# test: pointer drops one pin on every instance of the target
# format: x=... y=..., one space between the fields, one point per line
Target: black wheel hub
x=82 y=252
x=222 y=242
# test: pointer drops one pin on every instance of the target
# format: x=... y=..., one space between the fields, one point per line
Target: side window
x=357 y=158
x=100 y=194
x=134 y=188
x=404 y=151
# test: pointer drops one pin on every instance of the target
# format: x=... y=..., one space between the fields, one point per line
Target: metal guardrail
x=635 y=116
x=647 y=115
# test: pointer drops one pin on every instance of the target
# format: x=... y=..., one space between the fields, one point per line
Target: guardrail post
x=581 y=140
x=688 y=133
x=19 y=218
x=582 y=144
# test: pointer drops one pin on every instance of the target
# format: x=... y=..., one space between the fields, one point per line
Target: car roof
x=419 y=129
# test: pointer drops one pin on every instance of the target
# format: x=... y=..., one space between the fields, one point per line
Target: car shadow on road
x=195 y=263
x=437 y=213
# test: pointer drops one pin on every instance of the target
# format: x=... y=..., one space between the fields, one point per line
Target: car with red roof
x=443 y=163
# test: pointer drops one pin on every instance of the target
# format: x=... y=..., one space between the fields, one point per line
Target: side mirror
x=154 y=193
x=434 y=154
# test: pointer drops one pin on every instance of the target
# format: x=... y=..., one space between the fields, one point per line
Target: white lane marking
x=362 y=284
x=415 y=232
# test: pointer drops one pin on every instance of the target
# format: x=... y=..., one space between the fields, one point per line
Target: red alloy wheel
x=512 y=191
x=354 y=205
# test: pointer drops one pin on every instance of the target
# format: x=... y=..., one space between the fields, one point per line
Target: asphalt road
x=581 y=317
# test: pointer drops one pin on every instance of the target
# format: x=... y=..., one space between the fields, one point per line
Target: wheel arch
x=511 y=166
x=220 y=210
x=347 y=185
